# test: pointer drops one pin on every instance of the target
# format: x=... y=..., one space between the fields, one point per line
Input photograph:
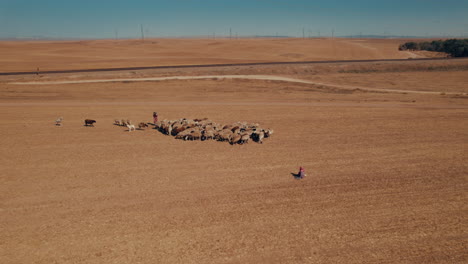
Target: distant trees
x=454 y=47
x=409 y=46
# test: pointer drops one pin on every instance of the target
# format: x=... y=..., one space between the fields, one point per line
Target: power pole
x=142 y=35
x=116 y=34
x=230 y=33
x=333 y=33
x=303 y=33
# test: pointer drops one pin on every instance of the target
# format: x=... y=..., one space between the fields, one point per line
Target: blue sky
x=172 y=18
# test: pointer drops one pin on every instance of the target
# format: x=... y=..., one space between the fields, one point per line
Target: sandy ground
x=53 y=55
x=387 y=174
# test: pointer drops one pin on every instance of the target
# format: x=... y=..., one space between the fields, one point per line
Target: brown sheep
x=235 y=139
x=244 y=138
x=195 y=135
x=208 y=134
x=142 y=125
x=89 y=122
x=224 y=136
x=183 y=135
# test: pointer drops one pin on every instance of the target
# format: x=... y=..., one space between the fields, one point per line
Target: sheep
x=195 y=135
x=131 y=127
x=244 y=138
x=183 y=135
x=235 y=139
x=58 y=121
x=224 y=135
x=179 y=128
x=169 y=129
x=163 y=126
x=205 y=129
x=261 y=136
x=208 y=134
x=142 y=125
x=268 y=132
x=258 y=136
x=89 y=122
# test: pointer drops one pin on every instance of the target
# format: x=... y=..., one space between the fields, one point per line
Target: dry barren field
x=67 y=55
x=386 y=172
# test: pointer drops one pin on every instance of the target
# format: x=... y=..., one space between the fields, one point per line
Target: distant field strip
x=245 y=77
x=223 y=65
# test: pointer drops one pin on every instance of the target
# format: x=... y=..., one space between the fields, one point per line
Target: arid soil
x=386 y=172
x=66 y=55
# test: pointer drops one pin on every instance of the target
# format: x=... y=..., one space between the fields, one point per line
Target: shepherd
x=155 y=117
x=301 y=174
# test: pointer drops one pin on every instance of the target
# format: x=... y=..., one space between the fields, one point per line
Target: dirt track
x=224 y=65
x=247 y=77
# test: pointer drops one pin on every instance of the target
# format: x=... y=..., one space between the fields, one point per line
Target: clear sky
x=172 y=18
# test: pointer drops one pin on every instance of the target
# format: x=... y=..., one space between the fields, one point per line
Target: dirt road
x=247 y=77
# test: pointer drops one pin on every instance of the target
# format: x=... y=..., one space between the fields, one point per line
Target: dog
x=89 y=122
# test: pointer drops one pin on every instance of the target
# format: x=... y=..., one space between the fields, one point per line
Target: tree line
x=454 y=47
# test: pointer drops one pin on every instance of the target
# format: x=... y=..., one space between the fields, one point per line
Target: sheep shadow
x=296 y=176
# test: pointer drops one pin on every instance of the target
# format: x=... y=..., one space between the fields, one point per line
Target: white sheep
x=58 y=121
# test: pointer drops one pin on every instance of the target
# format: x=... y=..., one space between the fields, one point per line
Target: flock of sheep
x=128 y=123
x=198 y=129
x=205 y=129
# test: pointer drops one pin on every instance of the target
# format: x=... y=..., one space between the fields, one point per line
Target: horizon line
x=358 y=36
